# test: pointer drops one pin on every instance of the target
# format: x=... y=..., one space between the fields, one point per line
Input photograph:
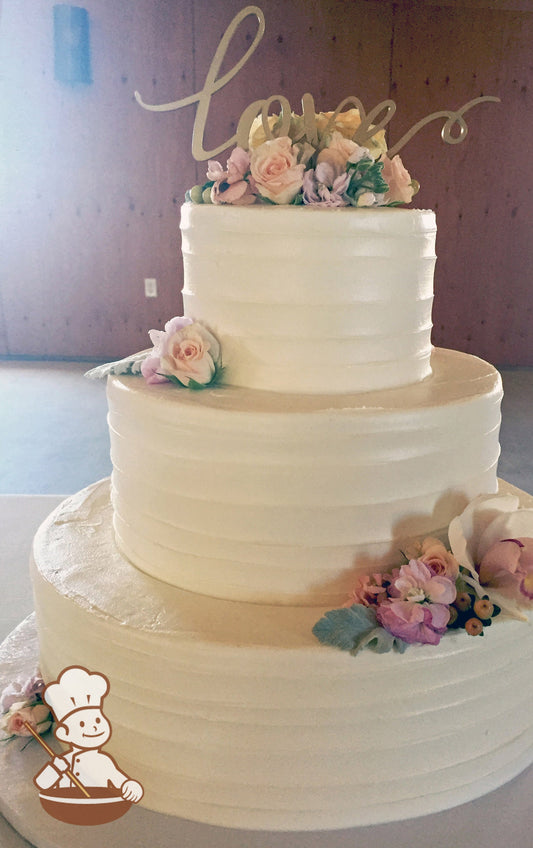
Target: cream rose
x=257 y=134
x=276 y=171
x=347 y=123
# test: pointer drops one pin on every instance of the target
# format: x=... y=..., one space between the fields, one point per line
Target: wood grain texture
x=480 y=189
x=93 y=184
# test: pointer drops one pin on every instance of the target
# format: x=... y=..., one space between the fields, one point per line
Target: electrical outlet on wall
x=150 y=287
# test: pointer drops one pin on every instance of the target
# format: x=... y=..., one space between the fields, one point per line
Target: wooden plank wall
x=91 y=186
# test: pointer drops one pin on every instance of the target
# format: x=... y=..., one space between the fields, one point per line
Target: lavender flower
x=322 y=188
x=26 y=691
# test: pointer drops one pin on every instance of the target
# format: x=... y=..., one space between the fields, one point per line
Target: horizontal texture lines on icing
x=247 y=495
x=376 y=281
x=298 y=483
x=219 y=686
x=347 y=317
x=316 y=302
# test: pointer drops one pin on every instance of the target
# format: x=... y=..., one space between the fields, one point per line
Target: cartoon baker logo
x=83 y=785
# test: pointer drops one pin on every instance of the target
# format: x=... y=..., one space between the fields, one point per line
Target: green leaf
x=172 y=379
x=354 y=628
x=366 y=175
x=194 y=385
x=380 y=641
x=218 y=376
x=343 y=628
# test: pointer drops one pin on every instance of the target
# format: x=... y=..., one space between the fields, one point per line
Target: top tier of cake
x=309 y=300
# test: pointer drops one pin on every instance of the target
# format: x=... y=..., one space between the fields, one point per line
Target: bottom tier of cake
x=233 y=714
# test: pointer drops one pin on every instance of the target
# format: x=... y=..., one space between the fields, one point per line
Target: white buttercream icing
x=260 y=497
x=313 y=300
x=340 y=436
x=232 y=713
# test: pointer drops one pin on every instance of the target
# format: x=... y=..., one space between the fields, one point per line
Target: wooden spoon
x=53 y=754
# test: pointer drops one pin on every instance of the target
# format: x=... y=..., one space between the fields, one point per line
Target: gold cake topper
x=367 y=129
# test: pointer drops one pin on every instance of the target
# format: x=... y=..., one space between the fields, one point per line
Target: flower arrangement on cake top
x=287 y=169
x=487 y=570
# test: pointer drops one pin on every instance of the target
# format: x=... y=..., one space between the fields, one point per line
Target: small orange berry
x=463 y=601
x=474 y=627
x=483 y=608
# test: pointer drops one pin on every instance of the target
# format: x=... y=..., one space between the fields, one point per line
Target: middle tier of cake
x=267 y=498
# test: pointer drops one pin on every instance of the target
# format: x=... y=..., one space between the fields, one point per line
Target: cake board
x=502 y=816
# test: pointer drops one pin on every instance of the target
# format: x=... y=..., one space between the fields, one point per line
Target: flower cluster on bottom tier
x=233 y=713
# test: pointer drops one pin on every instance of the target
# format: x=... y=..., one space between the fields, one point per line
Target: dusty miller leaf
x=380 y=641
x=130 y=365
x=343 y=628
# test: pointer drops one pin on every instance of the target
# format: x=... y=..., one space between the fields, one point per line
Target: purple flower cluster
x=322 y=187
x=27 y=690
x=411 y=603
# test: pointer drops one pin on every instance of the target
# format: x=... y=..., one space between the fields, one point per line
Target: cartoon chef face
x=84 y=728
x=76 y=700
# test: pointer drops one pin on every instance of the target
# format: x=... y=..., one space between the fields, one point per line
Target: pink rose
x=399 y=181
x=151 y=366
x=230 y=186
x=275 y=170
x=414 y=622
x=157 y=337
x=439 y=560
x=38 y=716
x=184 y=350
x=508 y=567
x=337 y=153
x=190 y=354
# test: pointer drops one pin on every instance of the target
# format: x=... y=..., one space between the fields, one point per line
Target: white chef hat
x=75 y=689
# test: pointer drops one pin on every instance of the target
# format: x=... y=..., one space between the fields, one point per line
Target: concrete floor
x=54 y=439
x=53 y=429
